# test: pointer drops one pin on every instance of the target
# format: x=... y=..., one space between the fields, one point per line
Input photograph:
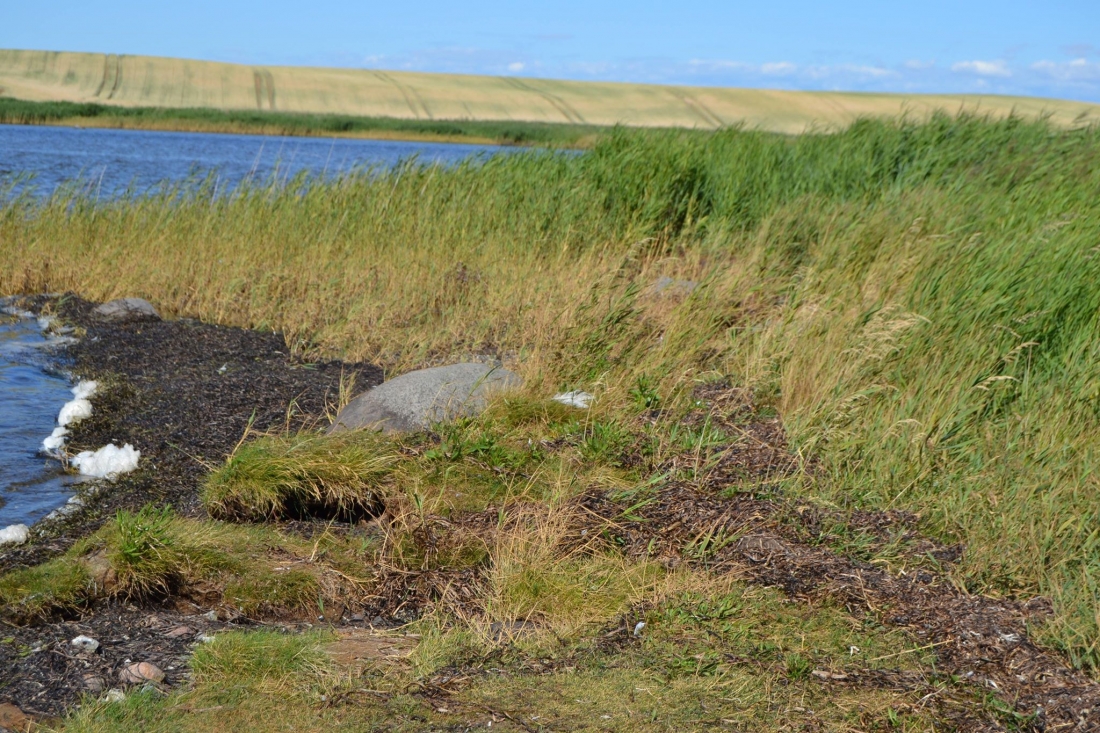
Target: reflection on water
x=31 y=486
x=111 y=161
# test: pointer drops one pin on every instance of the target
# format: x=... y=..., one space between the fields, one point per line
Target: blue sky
x=1049 y=48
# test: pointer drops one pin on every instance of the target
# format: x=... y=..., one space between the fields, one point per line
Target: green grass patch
x=34 y=592
x=153 y=553
x=302 y=475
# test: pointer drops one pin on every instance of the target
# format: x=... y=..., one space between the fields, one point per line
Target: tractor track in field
x=567 y=110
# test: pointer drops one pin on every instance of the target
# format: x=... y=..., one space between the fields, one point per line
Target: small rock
x=416 y=400
x=668 y=285
x=85 y=644
x=94 y=683
x=114 y=695
x=140 y=672
x=638 y=628
x=205 y=638
x=12 y=718
x=179 y=631
x=211 y=615
x=14 y=534
x=101 y=571
x=128 y=309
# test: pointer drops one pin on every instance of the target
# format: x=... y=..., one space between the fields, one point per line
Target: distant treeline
x=21 y=112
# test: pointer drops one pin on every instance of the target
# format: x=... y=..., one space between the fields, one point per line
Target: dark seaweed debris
x=184 y=393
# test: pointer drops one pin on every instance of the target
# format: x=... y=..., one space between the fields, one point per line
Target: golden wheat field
x=167 y=82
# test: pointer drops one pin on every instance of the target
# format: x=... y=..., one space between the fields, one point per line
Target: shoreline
x=158 y=379
x=506 y=133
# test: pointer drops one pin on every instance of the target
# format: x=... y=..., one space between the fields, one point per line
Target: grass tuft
x=302 y=475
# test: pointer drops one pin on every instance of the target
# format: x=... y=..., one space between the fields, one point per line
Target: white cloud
x=1074 y=77
x=1075 y=70
x=982 y=68
x=778 y=68
x=874 y=72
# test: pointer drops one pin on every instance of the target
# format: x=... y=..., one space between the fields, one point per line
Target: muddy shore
x=184 y=393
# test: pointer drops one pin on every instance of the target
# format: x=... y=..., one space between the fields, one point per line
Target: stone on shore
x=12 y=718
x=127 y=309
x=416 y=400
x=140 y=672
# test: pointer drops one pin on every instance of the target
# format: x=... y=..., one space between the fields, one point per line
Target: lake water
x=111 y=161
x=108 y=163
x=31 y=394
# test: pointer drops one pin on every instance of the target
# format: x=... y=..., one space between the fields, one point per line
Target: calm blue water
x=110 y=161
x=31 y=394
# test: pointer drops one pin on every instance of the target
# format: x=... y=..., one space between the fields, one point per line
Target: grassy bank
x=22 y=112
x=916 y=302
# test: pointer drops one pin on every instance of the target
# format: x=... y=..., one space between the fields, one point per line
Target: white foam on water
x=576 y=398
x=55 y=441
x=85 y=389
x=14 y=534
x=108 y=462
x=74 y=411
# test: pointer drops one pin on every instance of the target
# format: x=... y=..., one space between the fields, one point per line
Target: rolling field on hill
x=146 y=81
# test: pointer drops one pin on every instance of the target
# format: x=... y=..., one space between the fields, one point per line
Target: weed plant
x=916 y=301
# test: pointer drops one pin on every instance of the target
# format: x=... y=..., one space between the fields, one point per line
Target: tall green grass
x=918 y=301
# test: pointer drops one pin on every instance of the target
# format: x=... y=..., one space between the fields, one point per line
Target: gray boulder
x=127 y=309
x=415 y=400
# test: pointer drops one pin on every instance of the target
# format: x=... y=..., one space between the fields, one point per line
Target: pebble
x=141 y=672
x=94 y=683
x=211 y=615
x=179 y=631
x=85 y=644
x=114 y=695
